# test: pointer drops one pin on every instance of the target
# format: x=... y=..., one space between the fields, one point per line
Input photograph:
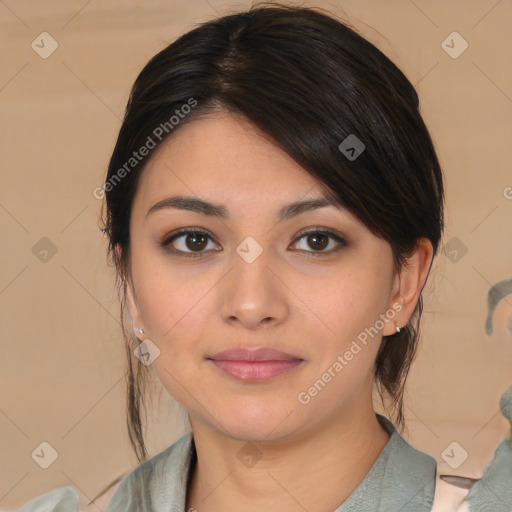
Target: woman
x=274 y=203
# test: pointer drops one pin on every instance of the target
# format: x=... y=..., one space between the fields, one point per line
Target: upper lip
x=252 y=354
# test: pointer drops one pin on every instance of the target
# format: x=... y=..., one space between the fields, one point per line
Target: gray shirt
x=402 y=479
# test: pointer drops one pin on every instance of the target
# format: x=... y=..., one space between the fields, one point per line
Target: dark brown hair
x=308 y=81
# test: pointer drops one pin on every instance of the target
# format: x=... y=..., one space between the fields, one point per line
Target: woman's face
x=254 y=280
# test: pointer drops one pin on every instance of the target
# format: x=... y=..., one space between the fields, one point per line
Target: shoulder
x=404 y=462
x=62 y=499
x=408 y=480
x=402 y=478
x=154 y=480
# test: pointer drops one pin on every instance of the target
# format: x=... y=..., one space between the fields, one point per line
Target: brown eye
x=317 y=241
x=195 y=241
x=187 y=242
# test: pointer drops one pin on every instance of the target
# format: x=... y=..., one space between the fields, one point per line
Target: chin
x=264 y=433
x=254 y=424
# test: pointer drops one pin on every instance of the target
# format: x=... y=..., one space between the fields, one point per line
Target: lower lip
x=255 y=371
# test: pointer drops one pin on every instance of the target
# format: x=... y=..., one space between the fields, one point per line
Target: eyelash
x=317 y=231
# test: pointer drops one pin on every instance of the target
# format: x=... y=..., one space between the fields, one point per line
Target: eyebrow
x=218 y=210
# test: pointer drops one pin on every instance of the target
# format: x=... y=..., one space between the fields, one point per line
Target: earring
x=139 y=330
x=398 y=329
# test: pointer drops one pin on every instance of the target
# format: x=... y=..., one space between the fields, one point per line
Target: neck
x=313 y=471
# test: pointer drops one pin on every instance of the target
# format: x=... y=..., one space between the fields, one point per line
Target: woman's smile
x=256 y=371
x=255 y=365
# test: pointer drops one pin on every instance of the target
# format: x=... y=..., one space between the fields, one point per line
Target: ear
x=408 y=283
x=130 y=296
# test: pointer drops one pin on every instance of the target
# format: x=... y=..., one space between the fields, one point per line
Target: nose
x=253 y=294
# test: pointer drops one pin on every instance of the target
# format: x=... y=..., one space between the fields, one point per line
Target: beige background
x=62 y=358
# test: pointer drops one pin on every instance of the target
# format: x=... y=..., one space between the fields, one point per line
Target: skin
x=312 y=456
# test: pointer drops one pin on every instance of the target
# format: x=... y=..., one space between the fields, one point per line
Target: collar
x=402 y=479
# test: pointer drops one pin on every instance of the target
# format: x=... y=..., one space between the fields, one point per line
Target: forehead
x=227 y=158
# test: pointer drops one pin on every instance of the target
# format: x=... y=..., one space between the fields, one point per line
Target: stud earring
x=141 y=331
x=399 y=329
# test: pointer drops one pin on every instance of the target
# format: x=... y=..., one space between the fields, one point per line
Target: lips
x=259 y=354
x=255 y=365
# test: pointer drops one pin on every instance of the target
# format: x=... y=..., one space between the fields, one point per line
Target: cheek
x=347 y=303
x=173 y=309
x=168 y=294
x=347 y=343
x=172 y=304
